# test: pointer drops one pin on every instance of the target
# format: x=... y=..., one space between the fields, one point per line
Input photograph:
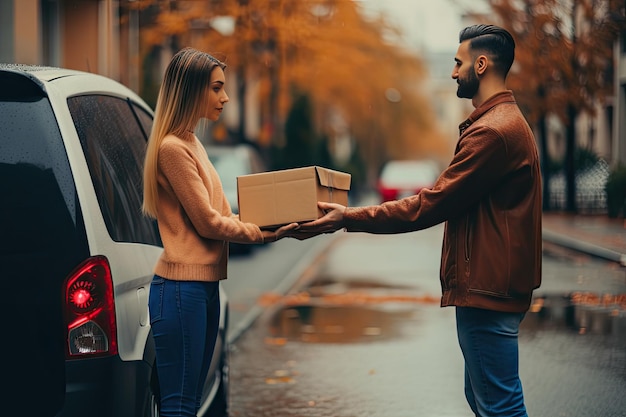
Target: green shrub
x=616 y=191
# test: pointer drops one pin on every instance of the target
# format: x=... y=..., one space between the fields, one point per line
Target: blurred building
x=86 y=35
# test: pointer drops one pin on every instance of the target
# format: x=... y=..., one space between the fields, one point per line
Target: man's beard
x=468 y=87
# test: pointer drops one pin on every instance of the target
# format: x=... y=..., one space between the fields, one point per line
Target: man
x=490 y=200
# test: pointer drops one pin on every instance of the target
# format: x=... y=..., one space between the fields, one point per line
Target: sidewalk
x=596 y=235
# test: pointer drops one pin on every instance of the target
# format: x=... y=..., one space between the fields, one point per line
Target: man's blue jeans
x=488 y=340
x=184 y=316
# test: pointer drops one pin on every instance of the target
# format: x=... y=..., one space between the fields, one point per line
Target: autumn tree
x=563 y=66
x=325 y=50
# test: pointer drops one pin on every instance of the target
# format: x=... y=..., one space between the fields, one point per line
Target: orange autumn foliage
x=326 y=49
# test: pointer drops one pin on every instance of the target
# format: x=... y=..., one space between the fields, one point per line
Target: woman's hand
x=285 y=231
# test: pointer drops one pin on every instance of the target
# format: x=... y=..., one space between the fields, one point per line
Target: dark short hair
x=495 y=41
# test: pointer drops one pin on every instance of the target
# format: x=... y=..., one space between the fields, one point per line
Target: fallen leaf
x=276 y=341
x=281 y=380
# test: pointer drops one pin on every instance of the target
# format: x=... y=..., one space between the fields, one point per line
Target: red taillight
x=90 y=310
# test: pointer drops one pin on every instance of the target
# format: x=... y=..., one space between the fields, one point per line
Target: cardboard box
x=271 y=199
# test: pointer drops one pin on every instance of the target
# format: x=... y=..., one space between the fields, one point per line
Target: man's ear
x=480 y=65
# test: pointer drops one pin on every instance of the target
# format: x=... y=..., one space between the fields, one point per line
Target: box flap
x=333 y=179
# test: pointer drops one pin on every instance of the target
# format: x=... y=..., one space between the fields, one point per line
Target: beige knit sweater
x=194 y=217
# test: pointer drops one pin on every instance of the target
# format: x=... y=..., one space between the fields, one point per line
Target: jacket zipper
x=467 y=239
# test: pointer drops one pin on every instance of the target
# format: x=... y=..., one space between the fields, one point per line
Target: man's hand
x=286 y=230
x=329 y=223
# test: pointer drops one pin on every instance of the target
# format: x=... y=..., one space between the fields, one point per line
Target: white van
x=76 y=254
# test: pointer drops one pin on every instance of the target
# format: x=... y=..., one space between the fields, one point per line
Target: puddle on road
x=337 y=324
x=347 y=312
x=361 y=311
x=583 y=312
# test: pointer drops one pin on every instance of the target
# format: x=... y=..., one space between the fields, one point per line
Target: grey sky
x=427 y=24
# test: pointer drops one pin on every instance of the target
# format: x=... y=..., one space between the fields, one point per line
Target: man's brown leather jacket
x=490 y=200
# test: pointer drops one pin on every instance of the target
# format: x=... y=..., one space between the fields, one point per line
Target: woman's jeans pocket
x=155 y=301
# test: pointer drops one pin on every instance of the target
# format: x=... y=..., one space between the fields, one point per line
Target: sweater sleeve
x=181 y=170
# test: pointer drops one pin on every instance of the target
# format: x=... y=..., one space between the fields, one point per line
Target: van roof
x=39 y=72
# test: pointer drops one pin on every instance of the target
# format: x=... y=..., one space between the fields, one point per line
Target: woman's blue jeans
x=184 y=316
x=488 y=340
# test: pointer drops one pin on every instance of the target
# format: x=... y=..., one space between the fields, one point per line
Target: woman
x=183 y=192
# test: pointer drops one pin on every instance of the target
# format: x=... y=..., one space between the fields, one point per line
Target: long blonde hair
x=177 y=112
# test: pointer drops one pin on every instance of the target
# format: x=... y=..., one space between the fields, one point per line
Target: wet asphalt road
x=361 y=334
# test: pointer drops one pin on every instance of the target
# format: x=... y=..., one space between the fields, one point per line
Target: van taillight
x=90 y=310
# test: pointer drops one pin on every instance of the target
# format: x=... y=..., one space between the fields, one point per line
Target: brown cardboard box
x=271 y=199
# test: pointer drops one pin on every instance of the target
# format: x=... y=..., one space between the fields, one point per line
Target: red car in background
x=403 y=178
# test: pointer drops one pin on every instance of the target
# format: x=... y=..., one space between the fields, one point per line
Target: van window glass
x=36 y=182
x=115 y=145
x=30 y=136
x=42 y=234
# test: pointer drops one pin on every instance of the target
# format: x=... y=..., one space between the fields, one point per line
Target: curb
x=583 y=247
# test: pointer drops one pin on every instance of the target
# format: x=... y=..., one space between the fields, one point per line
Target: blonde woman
x=183 y=192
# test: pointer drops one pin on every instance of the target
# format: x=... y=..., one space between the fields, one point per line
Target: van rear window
x=42 y=235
